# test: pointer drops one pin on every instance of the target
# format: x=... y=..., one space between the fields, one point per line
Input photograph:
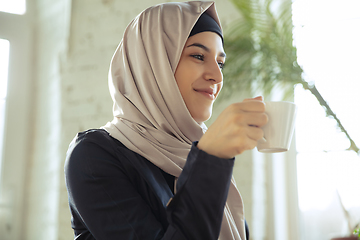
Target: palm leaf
x=259 y=49
x=261 y=54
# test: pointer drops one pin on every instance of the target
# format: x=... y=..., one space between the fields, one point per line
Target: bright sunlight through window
x=327 y=37
x=4 y=64
x=13 y=6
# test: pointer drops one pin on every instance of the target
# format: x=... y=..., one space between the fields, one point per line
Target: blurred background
x=54 y=60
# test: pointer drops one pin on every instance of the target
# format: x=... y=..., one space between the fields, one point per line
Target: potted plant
x=357 y=231
x=354 y=231
x=355 y=235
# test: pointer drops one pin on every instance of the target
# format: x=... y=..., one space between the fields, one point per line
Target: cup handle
x=263 y=140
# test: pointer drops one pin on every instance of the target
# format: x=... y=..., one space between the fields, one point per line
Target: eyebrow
x=222 y=54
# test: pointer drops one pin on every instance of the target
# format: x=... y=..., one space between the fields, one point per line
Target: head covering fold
x=150 y=116
x=205 y=23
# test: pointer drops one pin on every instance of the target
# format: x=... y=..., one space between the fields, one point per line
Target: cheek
x=180 y=78
x=183 y=77
x=220 y=85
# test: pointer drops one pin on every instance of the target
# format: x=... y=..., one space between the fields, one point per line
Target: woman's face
x=198 y=74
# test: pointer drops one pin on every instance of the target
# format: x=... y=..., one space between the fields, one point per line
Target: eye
x=198 y=56
x=221 y=65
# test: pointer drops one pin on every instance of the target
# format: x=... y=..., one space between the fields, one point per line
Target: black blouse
x=114 y=193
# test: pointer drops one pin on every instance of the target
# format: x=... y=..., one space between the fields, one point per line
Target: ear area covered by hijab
x=150 y=116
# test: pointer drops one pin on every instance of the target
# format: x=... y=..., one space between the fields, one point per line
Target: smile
x=208 y=92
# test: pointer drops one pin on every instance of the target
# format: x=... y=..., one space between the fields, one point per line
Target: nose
x=213 y=72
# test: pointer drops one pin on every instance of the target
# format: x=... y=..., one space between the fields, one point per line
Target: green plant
x=261 y=54
x=352 y=230
x=357 y=232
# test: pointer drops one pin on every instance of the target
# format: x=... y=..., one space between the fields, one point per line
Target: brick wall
x=45 y=160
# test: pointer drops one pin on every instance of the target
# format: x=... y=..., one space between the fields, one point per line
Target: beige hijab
x=150 y=116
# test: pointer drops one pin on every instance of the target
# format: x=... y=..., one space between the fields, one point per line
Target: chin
x=202 y=118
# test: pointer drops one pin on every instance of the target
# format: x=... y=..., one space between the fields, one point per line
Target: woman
x=152 y=173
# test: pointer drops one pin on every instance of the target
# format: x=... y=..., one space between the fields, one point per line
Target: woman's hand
x=238 y=128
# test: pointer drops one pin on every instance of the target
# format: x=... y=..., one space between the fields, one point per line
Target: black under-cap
x=205 y=23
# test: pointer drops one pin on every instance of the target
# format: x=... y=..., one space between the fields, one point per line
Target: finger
x=256 y=119
x=255 y=133
x=248 y=145
x=251 y=106
x=258 y=98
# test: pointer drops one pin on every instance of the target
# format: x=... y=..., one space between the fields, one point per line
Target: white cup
x=280 y=127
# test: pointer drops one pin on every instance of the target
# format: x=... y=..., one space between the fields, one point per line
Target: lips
x=208 y=92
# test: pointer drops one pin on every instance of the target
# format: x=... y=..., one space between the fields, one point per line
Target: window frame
x=17 y=29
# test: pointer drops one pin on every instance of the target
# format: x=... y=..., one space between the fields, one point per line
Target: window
x=4 y=64
x=15 y=105
x=13 y=6
x=326 y=35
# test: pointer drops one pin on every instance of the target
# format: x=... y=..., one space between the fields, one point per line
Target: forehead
x=209 y=39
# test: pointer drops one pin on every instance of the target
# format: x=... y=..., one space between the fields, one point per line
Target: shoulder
x=91 y=135
x=92 y=148
x=94 y=140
